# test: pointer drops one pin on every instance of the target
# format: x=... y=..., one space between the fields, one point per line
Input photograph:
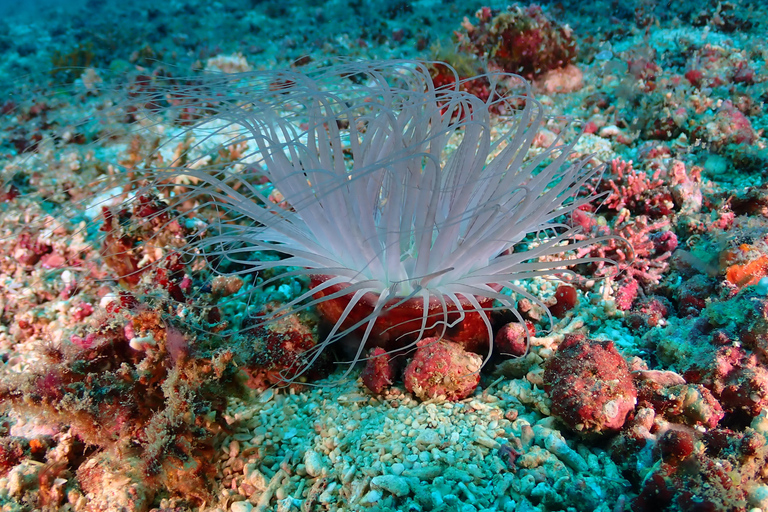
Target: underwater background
x=133 y=379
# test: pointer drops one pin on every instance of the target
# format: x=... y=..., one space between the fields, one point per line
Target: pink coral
x=645 y=256
x=636 y=190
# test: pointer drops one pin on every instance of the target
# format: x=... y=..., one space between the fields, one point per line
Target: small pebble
x=392 y=484
x=427 y=438
x=241 y=506
x=314 y=463
x=373 y=496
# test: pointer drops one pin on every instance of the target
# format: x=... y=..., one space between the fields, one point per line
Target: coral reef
x=145 y=366
x=154 y=401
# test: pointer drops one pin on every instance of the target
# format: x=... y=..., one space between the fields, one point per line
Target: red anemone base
x=397 y=326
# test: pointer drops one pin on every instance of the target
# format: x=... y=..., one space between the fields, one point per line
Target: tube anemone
x=393 y=193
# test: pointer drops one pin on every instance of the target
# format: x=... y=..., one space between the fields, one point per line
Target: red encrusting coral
x=281 y=352
x=590 y=385
x=520 y=40
x=566 y=298
x=380 y=371
x=675 y=445
x=442 y=368
x=512 y=339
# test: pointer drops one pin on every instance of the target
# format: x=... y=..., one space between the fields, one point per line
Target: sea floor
x=647 y=391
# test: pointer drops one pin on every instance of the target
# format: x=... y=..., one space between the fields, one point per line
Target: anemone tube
x=395 y=189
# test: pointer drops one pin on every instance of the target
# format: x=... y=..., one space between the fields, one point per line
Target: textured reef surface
x=139 y=375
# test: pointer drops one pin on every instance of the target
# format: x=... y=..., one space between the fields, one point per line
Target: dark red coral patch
x=519 y=40
x=590 y=385
x=442 y=368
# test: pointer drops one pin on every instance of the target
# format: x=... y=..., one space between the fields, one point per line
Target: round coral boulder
x=590 y=385
x=511 y=340
x=442 y=368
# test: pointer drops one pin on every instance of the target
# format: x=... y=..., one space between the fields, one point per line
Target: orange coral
x=748 y=273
